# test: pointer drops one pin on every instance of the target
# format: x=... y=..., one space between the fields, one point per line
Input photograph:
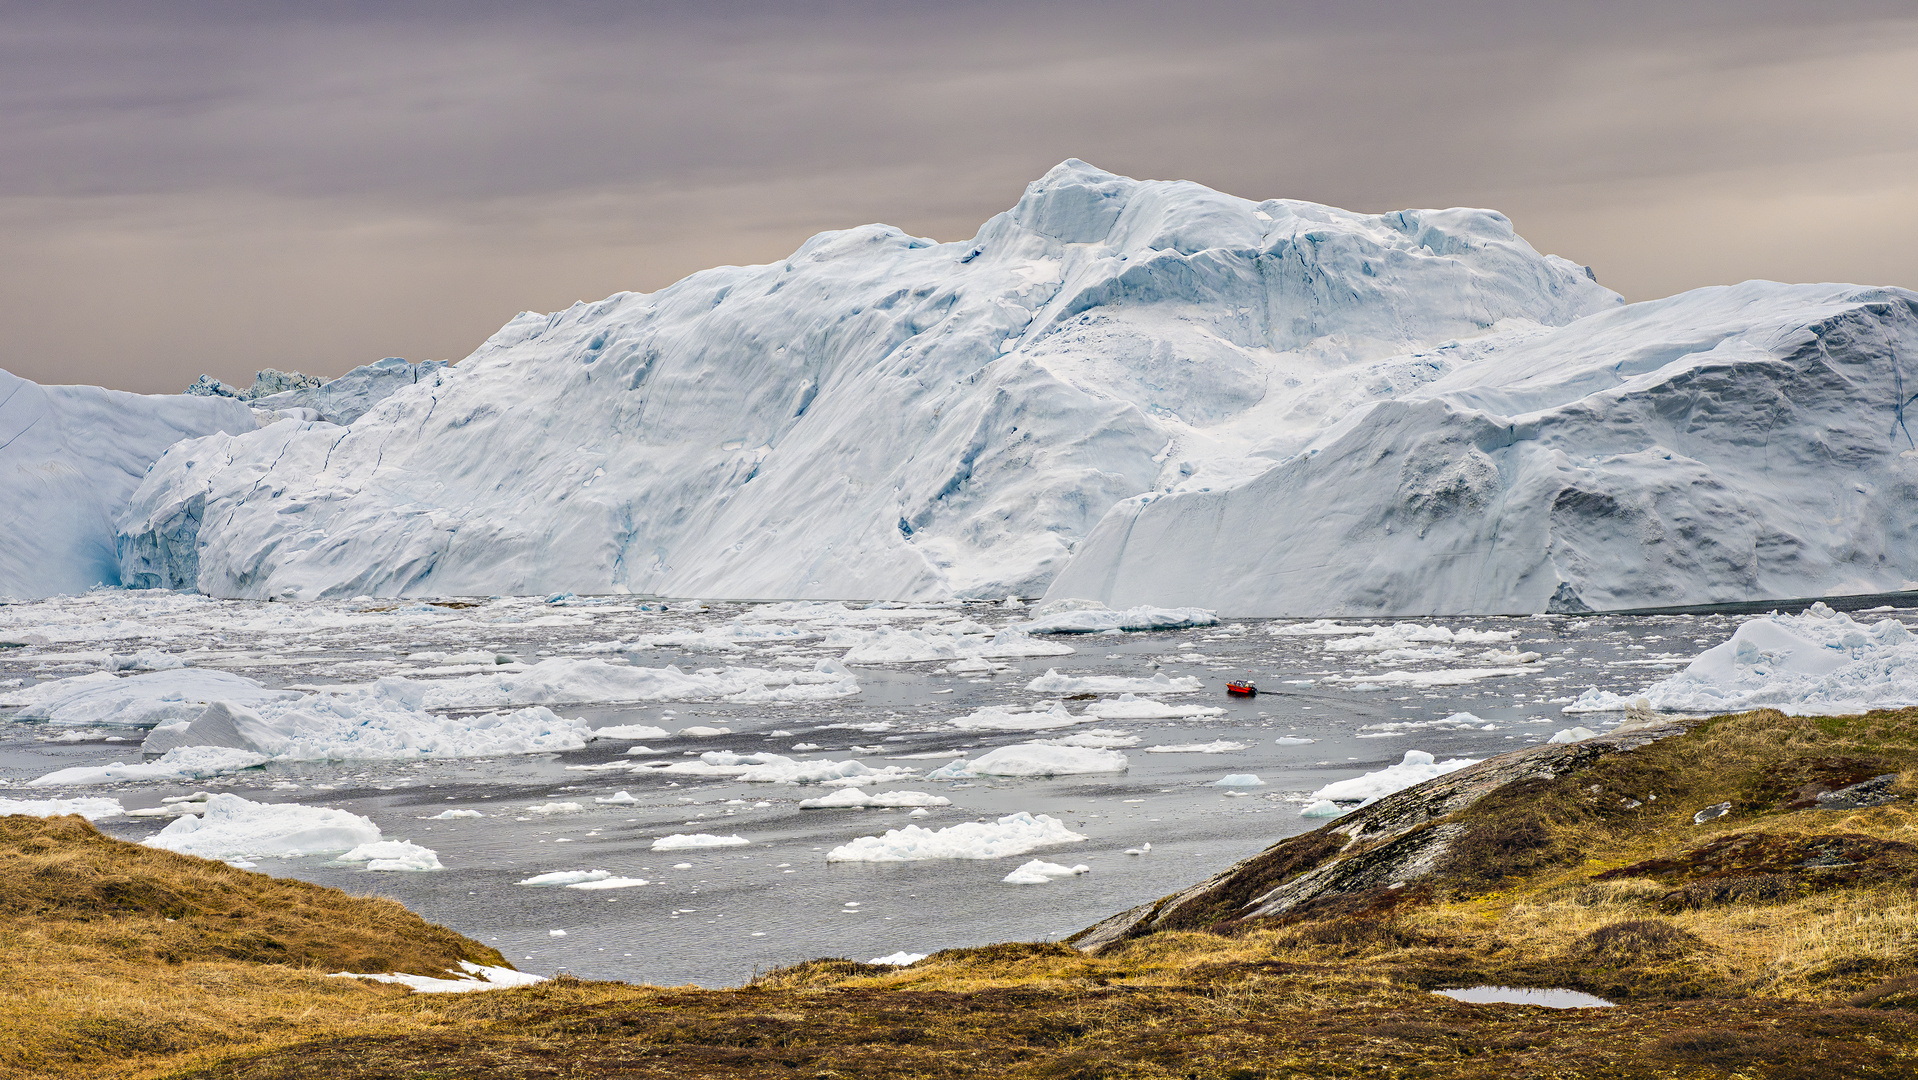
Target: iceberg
x=878 y=415
x=1730 y=443
x=70 y=458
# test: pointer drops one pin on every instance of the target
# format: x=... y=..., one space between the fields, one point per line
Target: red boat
x=1241 y=689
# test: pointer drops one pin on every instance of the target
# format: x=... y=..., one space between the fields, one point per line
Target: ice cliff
x=1730 y=443
x=881 y=415
x=70 y=457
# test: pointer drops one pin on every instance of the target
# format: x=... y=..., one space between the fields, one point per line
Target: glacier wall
x=876 y=416
x=1730 y=443
x=70 y=458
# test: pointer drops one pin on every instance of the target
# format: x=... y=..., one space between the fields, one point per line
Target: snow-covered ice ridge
x=878 y=415
x=1730 y=443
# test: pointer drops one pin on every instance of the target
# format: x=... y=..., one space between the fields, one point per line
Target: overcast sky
x=217 y=188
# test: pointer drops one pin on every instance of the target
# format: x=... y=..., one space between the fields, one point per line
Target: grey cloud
x=220 y=187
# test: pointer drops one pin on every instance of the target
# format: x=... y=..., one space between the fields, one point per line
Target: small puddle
x=1519 y=995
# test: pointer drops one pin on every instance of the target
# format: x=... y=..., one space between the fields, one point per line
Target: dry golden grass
x=112 y=954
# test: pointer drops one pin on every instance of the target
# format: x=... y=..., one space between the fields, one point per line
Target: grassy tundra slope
x=1779 y=939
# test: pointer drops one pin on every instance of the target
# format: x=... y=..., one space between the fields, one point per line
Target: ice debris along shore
x=908 y=418
x=1342 y=796
x=1820 y=662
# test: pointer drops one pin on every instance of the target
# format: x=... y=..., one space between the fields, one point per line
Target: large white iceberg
x=877 y=415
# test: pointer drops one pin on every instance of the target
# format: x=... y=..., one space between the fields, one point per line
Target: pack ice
x=877 y=416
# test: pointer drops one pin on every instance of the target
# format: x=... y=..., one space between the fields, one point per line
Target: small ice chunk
x=1038 y=872
x=1219 y=746
x=1323 y=808
x=1238 y=780
x=1572 y=735
x=632 y=731
x=898 y=959
x=619 y=798
x=394 y=855
x=679 y=841
x=567 y=877
x=455 y=815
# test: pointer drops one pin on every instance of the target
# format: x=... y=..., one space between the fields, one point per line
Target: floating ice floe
x=684 y=841
x=585 y=880
x=563 y=679
x=853 y=798
x=1034 y=759
x=1415 y=679
x=632 y=731
x=1039 y=871
x=1293 y=740
x=1458 y=721
x=618 y=798
x=1088 y=617
x=1238 y=780
x=1041 y=717
x=138 y=700
x=1324 y=808
x=1014 y=834
x=891 y=645
x=1416 y=767
x=235 y=828
x=393 y=855
x=1217 y=746
x=1410 y=636
x=456 y=815
x=1821 y=662
x=93 y=809
x=180 y=763
x=603 y=884
x=470 y=977
x=1054 y=683
x=768 y=768
x=1132 y=707
x=1097 y=738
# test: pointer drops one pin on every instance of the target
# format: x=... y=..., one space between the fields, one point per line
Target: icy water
x=714 y=916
